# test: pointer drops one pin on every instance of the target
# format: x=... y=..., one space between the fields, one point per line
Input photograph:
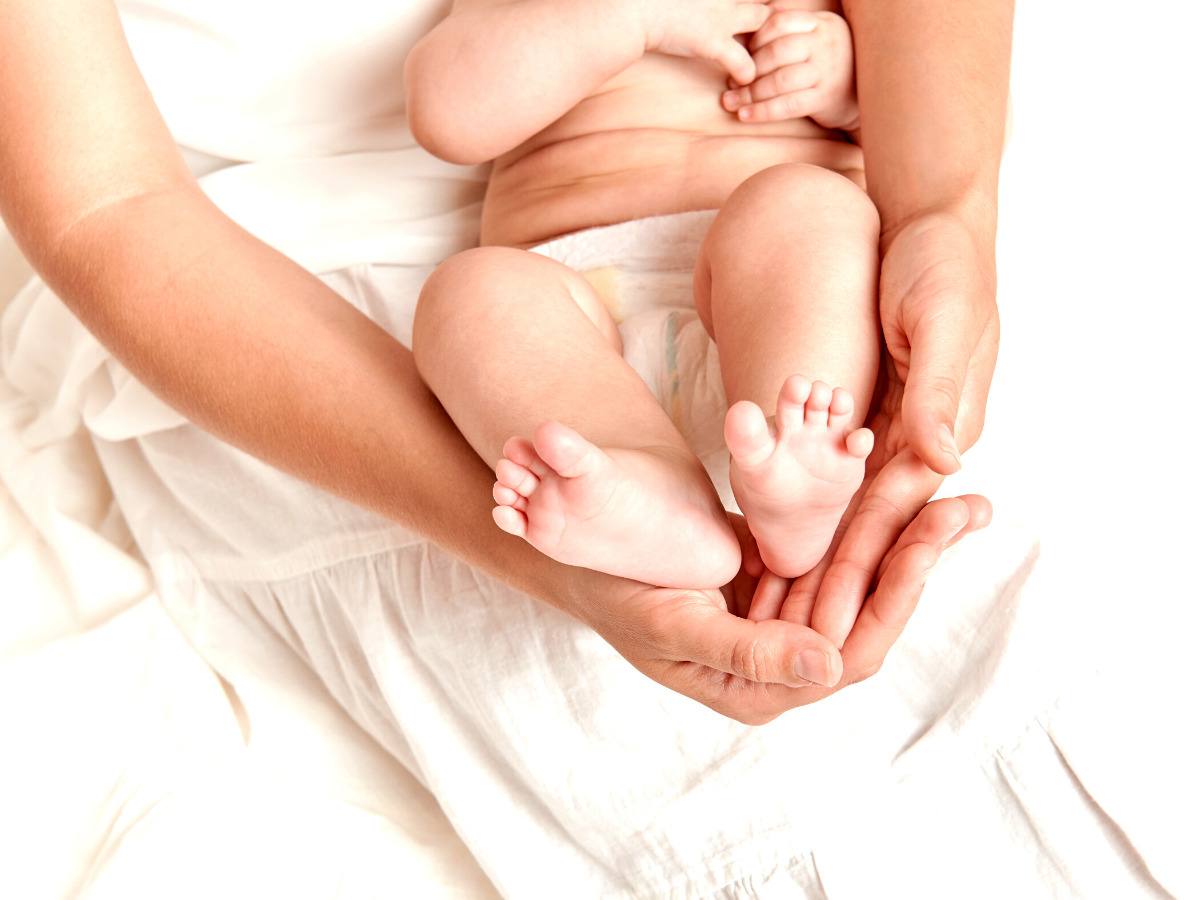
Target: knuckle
x=749 y=659
x=880 y=506
x=794 y=103
x=796 y=46
x=945 y=388
x=849 y=571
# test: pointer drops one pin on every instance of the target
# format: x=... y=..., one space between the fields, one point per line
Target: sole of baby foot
x=646 y=514
x=794 y=476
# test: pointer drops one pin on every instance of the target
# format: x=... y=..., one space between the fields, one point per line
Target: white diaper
x=640 y=265
x=642 y=270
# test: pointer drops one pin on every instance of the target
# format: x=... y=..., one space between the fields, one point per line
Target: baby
x=603 y=113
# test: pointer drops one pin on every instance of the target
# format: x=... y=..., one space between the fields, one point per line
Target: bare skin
x=88 y=171
x=651 y=139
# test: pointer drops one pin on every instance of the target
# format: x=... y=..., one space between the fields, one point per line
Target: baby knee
x=795 y=194
x=464 y=276
x=474 y=287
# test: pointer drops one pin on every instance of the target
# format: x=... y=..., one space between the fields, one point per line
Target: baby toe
x=816 y=410
x=510 y=520
x=789 y=412
x=841 y=407
x=521 y=451
x=860 y=442
x=747 y=435
x=504 y=495
x=518 y=478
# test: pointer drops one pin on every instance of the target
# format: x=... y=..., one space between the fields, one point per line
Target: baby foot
x=794 y=480
x=650 y=515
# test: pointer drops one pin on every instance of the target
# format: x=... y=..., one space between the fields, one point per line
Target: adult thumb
x=771 y=651
x=942 y=344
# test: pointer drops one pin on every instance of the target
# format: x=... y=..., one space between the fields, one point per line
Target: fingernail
x=946 y=441
x=813 y=665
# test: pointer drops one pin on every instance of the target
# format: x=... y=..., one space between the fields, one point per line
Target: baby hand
x=804 y=64
x=705 y=29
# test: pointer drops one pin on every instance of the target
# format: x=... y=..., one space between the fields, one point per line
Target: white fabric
x=627 y=789
x=970 y=766
x=251 y=81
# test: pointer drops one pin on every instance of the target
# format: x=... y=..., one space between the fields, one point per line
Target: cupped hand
x=693 y=641
x=937 y=303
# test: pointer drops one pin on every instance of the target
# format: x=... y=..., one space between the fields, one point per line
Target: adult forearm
x=932 y=89
x=259 y=352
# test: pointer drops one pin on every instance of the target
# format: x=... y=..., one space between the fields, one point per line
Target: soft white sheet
x=973 y=765
x=125 y=769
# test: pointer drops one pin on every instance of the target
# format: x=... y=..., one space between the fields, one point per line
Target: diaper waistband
x=667 y=243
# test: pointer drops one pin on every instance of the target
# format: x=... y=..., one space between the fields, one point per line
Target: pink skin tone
x=590 y=470
x=604 y=479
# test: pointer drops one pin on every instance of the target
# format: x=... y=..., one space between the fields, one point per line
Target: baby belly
x=617 y=176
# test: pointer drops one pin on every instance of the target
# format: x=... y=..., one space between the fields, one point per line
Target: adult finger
x=769 y=594
x=891 y=502
x=753 y=703
x=752 y=563
x=781 y=23
x=902 y=579
x=692 y=629
x=973 y=510
x=887 y=611
x=943 y=338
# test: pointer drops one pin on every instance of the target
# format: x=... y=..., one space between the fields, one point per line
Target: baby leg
x=786 y=285
x=525 y=359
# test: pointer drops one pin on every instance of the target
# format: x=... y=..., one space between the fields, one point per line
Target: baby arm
x=495 y=72
x=804 y=61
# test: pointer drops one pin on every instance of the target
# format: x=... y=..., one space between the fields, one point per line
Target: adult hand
x=942 y=332
x=752 y=671
x=937 y=304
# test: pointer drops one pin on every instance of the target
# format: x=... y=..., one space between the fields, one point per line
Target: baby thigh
x=507 y=339
x=786 y=283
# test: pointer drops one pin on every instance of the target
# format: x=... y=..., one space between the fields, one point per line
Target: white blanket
x=972 y=765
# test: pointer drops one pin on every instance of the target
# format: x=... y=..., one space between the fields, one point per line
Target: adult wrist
x=973 y=208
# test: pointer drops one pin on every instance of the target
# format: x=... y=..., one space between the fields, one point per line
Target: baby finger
x=735 y=59
x=783 y=23
x=750 y=17
x=785 y=80
x=794 y=105
x=736 y=97
x=789 y=49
